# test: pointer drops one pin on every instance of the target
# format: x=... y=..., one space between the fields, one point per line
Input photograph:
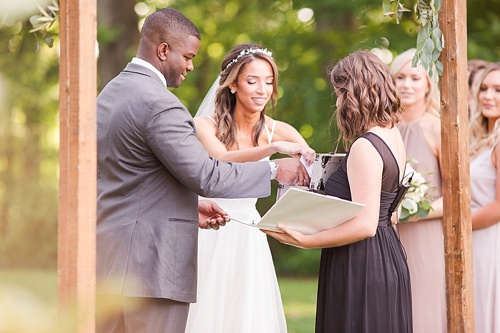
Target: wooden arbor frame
x=77 y=206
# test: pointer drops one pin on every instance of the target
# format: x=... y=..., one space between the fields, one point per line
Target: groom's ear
x=162 y=51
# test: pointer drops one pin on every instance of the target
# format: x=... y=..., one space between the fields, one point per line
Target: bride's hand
x=295 y=150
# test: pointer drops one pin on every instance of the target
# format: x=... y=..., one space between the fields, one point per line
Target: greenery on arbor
x=306 y=36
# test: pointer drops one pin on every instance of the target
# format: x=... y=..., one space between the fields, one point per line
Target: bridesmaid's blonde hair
x=478 y=124
x=432 y=97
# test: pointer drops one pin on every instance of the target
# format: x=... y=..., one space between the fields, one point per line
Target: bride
x=237 y=285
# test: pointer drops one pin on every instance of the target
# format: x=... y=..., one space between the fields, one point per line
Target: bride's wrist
x=274 y=148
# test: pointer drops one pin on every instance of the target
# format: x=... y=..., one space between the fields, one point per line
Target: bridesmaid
x=423 y=239
x=485 y=194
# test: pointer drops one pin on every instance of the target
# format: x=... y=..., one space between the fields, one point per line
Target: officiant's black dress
x=364 y=287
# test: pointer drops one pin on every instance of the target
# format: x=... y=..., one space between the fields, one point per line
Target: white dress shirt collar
x=146 y=64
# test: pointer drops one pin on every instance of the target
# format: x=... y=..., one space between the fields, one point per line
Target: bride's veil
x=207 y=106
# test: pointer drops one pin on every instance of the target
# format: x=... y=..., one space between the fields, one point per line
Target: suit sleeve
x=172 y=137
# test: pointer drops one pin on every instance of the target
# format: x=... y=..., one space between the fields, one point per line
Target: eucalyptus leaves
x=44 y=20
x=430 y=40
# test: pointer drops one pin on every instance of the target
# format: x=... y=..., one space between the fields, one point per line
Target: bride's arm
x=285 y=132
x=206 y=132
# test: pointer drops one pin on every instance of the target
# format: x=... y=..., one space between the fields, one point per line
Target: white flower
x=416 y=200
x=410 y=205
x=413 y=195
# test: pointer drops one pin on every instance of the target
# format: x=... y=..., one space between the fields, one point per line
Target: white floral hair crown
x=246 y=52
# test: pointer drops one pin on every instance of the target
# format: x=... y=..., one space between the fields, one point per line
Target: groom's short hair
x=168 y=22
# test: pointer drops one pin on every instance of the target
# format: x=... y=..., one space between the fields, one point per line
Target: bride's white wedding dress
x=238 y=290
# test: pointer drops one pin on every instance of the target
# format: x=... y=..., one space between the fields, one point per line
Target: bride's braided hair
x=232 y=65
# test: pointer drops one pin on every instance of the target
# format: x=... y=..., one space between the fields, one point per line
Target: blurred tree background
x=306 y=36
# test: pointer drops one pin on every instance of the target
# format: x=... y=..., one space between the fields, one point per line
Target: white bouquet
x=416 y=201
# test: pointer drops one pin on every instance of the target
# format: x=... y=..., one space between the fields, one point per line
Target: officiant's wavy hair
x=225 y=101
x=366 y=94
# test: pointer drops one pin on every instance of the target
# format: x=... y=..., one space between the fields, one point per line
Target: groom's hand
x=210 y=215
x=291 y=172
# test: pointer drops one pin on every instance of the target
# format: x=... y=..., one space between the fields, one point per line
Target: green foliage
x=430 y=41
x=303 y=45
x=483 y=30
x=394 y=8
x=299 y=303
x=294 y=262
x=28 y=149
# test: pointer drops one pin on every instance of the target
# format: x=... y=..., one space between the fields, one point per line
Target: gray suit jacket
x=151 y=169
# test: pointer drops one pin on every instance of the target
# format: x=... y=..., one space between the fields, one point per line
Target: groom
x=151 y=169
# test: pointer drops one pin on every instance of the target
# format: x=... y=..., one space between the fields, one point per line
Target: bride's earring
x=233 y=91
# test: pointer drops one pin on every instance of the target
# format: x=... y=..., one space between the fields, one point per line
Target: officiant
x=364 y=282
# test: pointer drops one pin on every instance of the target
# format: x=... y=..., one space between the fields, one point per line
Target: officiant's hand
x=210 y=215
x=291 y=172
x=288 y=236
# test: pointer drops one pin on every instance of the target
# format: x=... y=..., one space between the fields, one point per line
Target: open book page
x=309 y=168
x=307 y=212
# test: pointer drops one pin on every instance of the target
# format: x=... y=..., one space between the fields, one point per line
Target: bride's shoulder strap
x=212 y=119
x=270 y=134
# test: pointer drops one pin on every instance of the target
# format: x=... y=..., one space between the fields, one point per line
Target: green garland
x=430 y=40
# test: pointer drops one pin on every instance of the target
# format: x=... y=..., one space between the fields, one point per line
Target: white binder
x=307 y=212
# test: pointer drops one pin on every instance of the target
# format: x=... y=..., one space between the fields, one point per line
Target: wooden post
x=455 y=166
x=77 y=159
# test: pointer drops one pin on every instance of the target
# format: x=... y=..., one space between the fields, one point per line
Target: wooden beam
x=77 y=159
x=455 y=166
